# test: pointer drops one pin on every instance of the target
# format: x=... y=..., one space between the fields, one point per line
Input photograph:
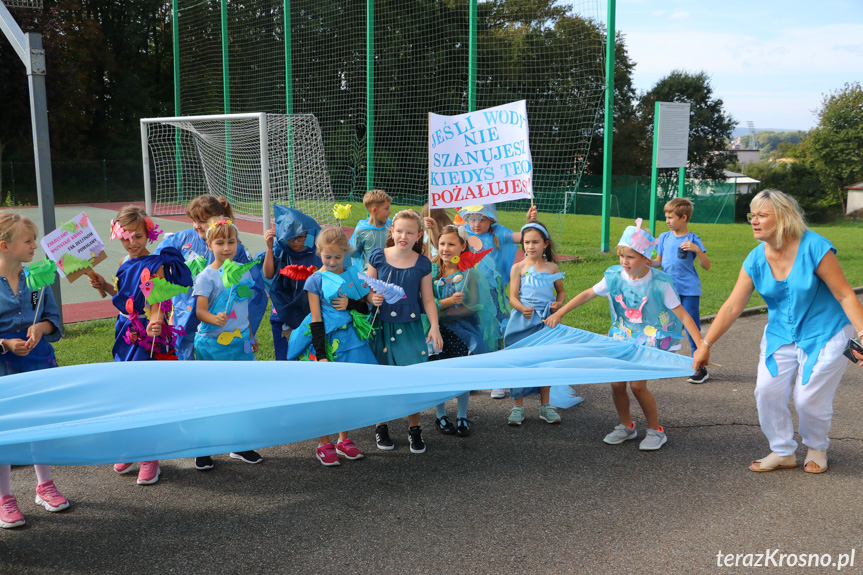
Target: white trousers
x=813 y=401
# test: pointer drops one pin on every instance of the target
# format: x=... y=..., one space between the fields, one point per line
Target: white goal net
x=252 y=160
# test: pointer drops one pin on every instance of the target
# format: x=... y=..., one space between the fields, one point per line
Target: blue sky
x=770 y=62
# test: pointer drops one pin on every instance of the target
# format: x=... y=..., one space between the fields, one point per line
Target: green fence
x=75 y=182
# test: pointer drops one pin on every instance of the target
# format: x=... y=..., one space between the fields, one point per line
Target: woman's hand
x=701 y=357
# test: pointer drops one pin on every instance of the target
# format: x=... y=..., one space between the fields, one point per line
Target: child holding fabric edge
x=641 y=299
x=24 y=346
x=535 y=292
x=336 y=328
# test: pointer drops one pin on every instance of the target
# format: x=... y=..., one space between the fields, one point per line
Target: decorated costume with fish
x=640 y=307
x=196 y=253
x=18 y=311
x=497 y=267
x=367 y=238
x=233 y=341
x=346 y=332
x=290 y=302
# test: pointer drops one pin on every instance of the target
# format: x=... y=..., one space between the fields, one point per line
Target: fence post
x=12 y=172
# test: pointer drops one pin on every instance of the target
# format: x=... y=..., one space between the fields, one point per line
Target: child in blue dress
x=141 y=333
x=223 y=311
x=372 y=234
x=482 y=224
x=400 y=338
x=290 y=242
x=192 y=244
x=535 y=292
x=337 y=302
x=468 y=325
x=640 y=299
x=24 y=346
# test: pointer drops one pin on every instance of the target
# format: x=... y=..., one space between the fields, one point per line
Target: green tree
x=834 y=149
x=710 y=126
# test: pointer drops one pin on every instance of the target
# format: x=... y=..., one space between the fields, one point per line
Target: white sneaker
x=654 y=439
x=620 y=434
x=498 y=393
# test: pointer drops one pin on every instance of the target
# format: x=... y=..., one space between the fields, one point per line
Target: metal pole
x=681 y=183
x=370 y=94
x=289 y=65
x=178 y=146
x=265 y=172
x=608 y=129
x=654 y=173
x=471 y=58
x=226 y=96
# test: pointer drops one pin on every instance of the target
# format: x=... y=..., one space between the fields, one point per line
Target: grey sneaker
x=620 y=434
x=498 y=393
x=516 y=416
x=548 y=414
x=653 y=440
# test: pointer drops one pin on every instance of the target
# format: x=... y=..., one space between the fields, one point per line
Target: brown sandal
x=772 y=462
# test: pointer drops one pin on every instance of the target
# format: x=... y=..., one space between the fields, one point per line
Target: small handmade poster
x=75 y=247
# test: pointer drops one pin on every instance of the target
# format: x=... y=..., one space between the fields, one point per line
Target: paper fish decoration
x=196 y=265
x=342 y=212
x=41 y=274
x=298 y=272
x=391 y=292
x=70 y=227
x=232 y=315
x=71 y=264
x=226 y=337
x=157 y=290
x=232 y=272
x=469 y=259
x=458 y=219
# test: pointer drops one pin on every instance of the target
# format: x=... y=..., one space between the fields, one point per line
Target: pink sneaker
x=149 y=473
x=48 y=497
x=327 y=455
x=10 y=515
x=348 y=450
x=123 y=467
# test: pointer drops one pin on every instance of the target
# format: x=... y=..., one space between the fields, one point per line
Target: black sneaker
x=382 y=437
x=699 y=376
x=444 y=425
x=203 y=463
x=415 y=436
x=461 y=428
x=248 y=456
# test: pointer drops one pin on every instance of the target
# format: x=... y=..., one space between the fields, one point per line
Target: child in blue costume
x=372 y=234
x=677 y=250
x=26 y=326
x=222 y=306
x=192 y=244
x=135 y=341
x=482 y=223
x=468 y=325
x=336 y=299
x=535 y=292
x=400 y=338
x=290 y=242
x=640 y=300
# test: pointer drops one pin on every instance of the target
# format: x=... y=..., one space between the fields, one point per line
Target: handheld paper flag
x=197 y=265
x=41 y=274
x=156 y=289
x=469 y=259
x=298 y=272
x=71 y=264
x=232 y=272
x=391 y=292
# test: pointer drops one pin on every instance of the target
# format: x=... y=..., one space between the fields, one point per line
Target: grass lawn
x=727 y=245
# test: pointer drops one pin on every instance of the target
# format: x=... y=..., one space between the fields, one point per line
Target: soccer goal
x=252 y=160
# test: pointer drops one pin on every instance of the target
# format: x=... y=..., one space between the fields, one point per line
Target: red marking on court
x=85 y=311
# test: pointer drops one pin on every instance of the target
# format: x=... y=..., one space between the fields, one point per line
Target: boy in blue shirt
x=372 y=233
x=677 y=250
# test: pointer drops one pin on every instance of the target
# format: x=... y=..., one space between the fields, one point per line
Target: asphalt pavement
x=536 y=499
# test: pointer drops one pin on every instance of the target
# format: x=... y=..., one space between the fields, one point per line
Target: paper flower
x=391 y=292
x=153 y=230
x=40 y=274
x=196 y=265
x=232 y=272
x=298 y=272
x=84 y=221
x=70 y=227
x=342 y=212
x=470 y=259
x=71 y=264
x=118 y=232
x=157 y=290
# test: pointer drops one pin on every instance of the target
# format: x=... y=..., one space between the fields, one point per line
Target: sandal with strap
x=774 y=461
x=818 y=459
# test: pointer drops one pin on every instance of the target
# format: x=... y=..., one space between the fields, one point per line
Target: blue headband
x=536 y=226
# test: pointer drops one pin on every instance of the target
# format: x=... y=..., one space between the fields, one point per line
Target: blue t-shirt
x=681 y=270
x=209 y=284
x=801 y=308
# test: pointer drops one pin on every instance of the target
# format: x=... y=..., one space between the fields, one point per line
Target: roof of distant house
x=857 y=186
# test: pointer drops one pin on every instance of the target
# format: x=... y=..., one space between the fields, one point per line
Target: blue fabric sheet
x=119 y=412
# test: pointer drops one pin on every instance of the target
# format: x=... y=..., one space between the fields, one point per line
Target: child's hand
x=377 y=299
x=17 y=346
x=254 y=347
x=221 y=319
x=154 y=328
x=555 y=305
x=339 y=303
x=430 y=224
x=688 y=246
x=270 y=236
x=34 y=334
x=552 y=320
x=457 y=298
x=531 y=214
x=323 y=359
x=527 y=312
x=435 y=338
x=97 y=281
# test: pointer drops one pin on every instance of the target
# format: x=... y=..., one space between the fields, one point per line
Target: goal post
x=253 y=160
